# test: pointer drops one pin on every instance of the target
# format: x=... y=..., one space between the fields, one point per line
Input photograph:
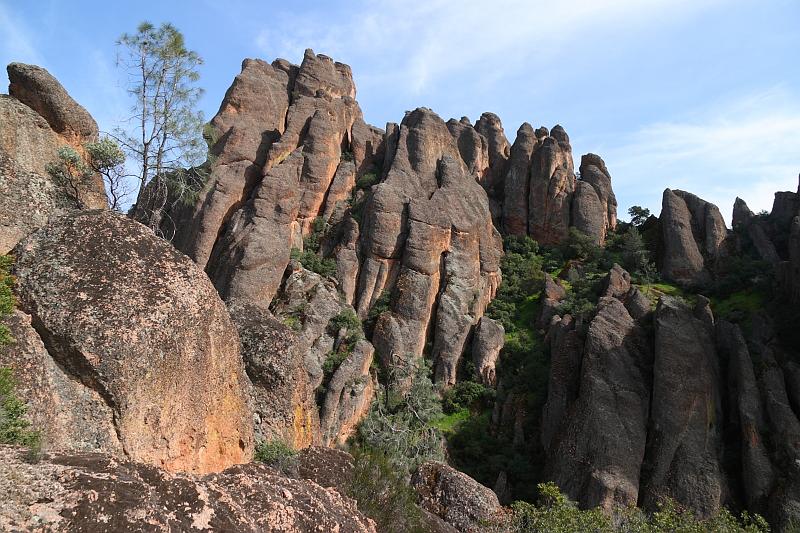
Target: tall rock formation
x=111 y=347
x=693 y=233
x=429 y=240
x=542 y=197
x=37 y=118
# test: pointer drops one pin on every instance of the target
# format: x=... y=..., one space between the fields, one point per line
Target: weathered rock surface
x=594 y=207
x=97 y=492
x=36 y=120
x=600 y=453
x=281 y=393
x=117 y=311
x=428 y=239
x=684 y=444
x=486 y=346
x=309 y=303
x=455 y=497
x=693 y=232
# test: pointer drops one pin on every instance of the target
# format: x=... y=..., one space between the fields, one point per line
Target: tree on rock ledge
x=165 y=133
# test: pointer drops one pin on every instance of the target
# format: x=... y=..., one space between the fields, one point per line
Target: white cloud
x=420 y=43
x=747 y=147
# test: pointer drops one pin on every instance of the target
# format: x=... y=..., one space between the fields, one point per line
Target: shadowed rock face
x=693 y=233
x=96 y=492
x=36 y=119
x=116 y=311
x=594 y=207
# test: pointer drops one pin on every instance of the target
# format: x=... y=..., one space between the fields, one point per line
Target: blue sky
x=702 y=95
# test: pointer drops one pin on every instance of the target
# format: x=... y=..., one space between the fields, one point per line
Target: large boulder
x=281 y=393
x=97 y=492
x=37 y=119
x=39 y=90
x=594 y=207
x=551 y=188
x=117 y=310
x=455 y=497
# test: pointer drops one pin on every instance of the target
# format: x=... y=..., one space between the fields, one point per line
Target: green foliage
x=367 y=180
x=400 y=424
x=639 y=215
x=311 y=261
x=347 y=156
x=581 y=247
x=74 y=173
x=347 y=320
x=466 y=395
x=522 y=277
x=449 y=423
x=380 y=306
x=636 y=257
x=166 y=134
x=7 y=300
x=555 y=513
x=383 y=494
x=14 y=428
x=312 y=242
x=70 y=173
x=277 y=454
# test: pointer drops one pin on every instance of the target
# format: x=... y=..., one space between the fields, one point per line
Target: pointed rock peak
x=39 y=90
x=319 y=73
x=741 y=212
x=593 y=160
x=466 y=121
x=542 y=132
x=525 y=129
x=559 y=134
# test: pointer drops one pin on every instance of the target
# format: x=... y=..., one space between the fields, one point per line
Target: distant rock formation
x=693 y=234
x=111 y=357
x=637 y=412
x=36 y=119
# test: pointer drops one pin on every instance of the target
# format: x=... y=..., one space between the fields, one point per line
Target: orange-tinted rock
x=118 y=310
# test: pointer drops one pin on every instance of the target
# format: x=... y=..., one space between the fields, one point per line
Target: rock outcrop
x=594 y=206
x=455 y=497
x=428 y=239
x=486 y=346
x=36 y=119
x=336 y=361
x=111 y=335
x=97 y=492
x=693 y=234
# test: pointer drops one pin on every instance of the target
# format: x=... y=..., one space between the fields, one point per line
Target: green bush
x=466 y=394
x=366 y=181
x=400 y=424
x=6 y=297
x=347 y=320
x=311 y=261
x=14 y=428
x=555 y=513
x=383 y=494
x=276 y=454
x=380 y=306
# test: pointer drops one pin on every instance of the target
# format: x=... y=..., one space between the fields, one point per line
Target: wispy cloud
x=747 y=147
x=421 y=43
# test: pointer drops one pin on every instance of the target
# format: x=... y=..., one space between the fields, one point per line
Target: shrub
x=555 y=513
x=14 y=428
x=366 y=181
x=347 y=156
x=400 y=423
x=347 y=320
x=466 y=394
x=383 y=494
x=311 y=261
x=6 y=297
x=380 y=306
x=276 y=454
